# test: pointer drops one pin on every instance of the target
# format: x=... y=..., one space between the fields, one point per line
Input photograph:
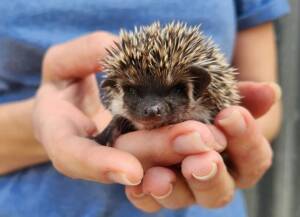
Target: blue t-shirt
x=28 y=28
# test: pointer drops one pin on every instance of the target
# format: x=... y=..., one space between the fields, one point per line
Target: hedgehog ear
x=107 y=83
x=201 y=80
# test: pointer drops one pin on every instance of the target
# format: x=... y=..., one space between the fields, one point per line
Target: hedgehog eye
x=108 y=83
x=130 y=90
x=178 y=89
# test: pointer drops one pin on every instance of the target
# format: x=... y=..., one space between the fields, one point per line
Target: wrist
x=18 y=147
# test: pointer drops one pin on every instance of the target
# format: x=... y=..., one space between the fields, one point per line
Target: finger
x=77 y=58
x=167 y=145
x=208 y=178
x=141 y=200
x=166 y=187
x=78 y=157
x=249 y=151
x=258 y=98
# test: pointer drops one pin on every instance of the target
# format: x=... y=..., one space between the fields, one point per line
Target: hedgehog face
x=163 y=75
x=152 y=101
x=154 y=104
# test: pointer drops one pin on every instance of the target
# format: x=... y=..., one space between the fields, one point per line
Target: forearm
x=18 y=147
x=255 y=58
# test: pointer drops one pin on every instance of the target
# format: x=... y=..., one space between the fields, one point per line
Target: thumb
x=257 y=97
x=77 y=58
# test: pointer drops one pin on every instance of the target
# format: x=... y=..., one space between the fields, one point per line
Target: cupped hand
x=204 y=178
x=67 y=105
x=68 y=109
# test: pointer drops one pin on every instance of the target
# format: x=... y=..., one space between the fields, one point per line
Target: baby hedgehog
x=161 y=75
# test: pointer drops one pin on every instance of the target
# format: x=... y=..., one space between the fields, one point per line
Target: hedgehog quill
x=160 y=75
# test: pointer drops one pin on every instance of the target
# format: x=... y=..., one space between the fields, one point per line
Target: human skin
x=68 y=75
x=249 y=151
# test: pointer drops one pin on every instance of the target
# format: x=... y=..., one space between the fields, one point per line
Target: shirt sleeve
x=254 y=12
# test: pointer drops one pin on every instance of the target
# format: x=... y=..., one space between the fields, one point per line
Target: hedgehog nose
x=153 y=111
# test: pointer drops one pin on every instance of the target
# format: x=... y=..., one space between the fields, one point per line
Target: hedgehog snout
x=154 y=110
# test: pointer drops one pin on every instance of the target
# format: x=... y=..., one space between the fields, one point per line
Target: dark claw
x=118 y=126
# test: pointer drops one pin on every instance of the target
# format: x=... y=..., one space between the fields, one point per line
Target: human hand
x=67 y=108
x=69 y=85
x=206 y=179
x=67 y=102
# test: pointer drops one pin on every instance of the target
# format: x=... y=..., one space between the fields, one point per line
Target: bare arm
x=18 y=147
x=255 y=57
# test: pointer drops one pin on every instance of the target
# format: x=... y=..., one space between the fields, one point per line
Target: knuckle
x=50 y=55
x=52 y=62
x=262 y=168
x=97 y=38
x=142 y=203
x=244 y=184
x=264 y=165
x=269 y=149
x=175 y=206
x=62 y=169
x=224 y=200
x=59 y=166
x=179 y=204
x=255 y=175
x=219 y=202
x=145 y=207
x=150 y=209
x=158 y=155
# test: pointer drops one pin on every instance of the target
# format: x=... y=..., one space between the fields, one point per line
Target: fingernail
x=160 y=197
x=277 y=89
x=204 y=175
x=189 y=143
x=234 y=123
x=121 y=178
